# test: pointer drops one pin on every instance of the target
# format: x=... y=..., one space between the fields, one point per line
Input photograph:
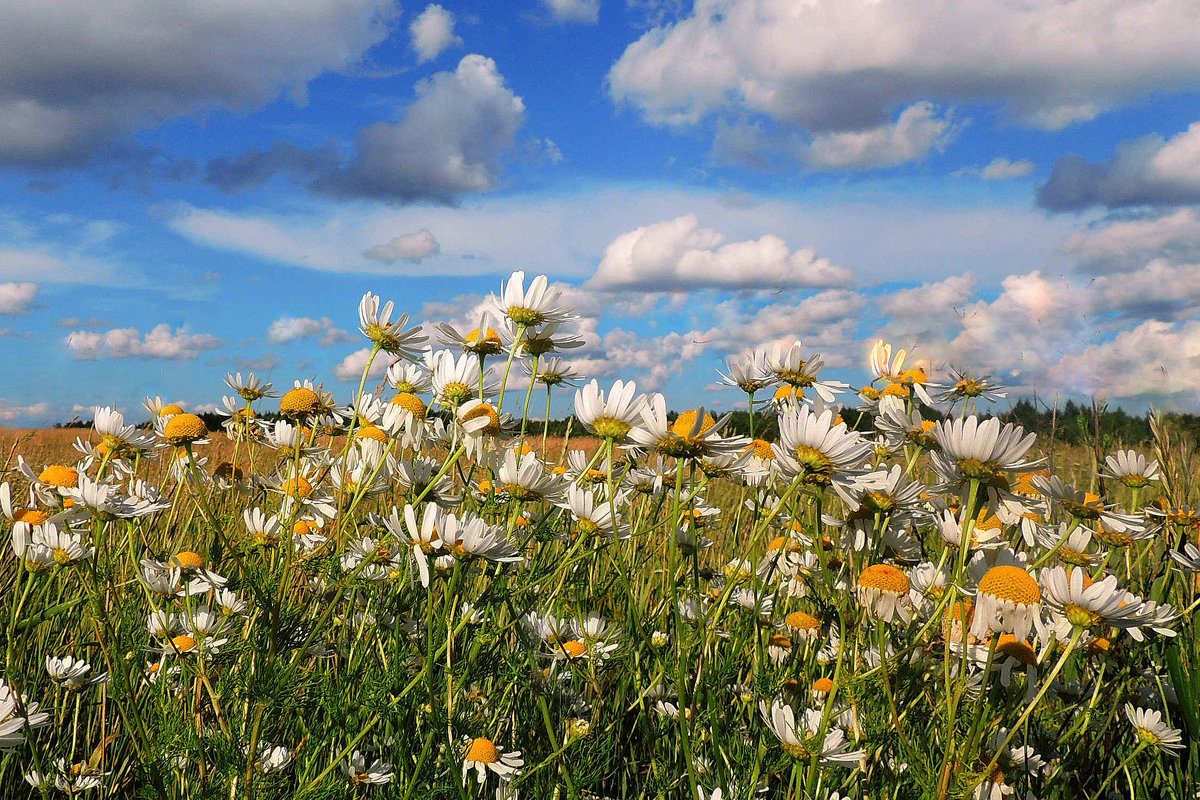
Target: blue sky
x=194 y=188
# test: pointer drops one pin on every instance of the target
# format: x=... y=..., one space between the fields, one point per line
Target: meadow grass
x=368 y=600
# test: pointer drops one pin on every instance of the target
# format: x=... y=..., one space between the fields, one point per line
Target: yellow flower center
x=169 y=410
x=184 y=428
x=298 y=401
x=787 y=392
x=574 y=649
x=298 y=487
x=1081 y=617
x=371 y=432
x=816 y=468
x=188 y=560
x=686 y=421
x=610 y=428
x=484 y=410
x=885 y=578
x=1022 y=651
x=60 y=476
x=33 y=516
x=525 y=316
x=761 y=448
x=823 y=685
x=1011 y=583
x=482 y=751
x=411 y=403
x=183 y=643
x=780 y=641
x=802 y=621
x=490 y=344
x=455 y=393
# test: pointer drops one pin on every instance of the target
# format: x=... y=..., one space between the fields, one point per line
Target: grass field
x=358 y=601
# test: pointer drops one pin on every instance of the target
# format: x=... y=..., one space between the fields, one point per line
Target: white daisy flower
x=376 y=324
x=482 y=755
x=536 y=306
x=1149 y=729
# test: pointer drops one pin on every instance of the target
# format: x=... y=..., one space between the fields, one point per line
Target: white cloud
x=1156 y=361
x=845 y=65
x=77 y=75
x=917 y=131
x=351 y=367
x=1004 y=169
x=679 y=255
x=1146 y=171
x=449 y=141
x=161 y=342
x=31 y=413
x=16 y=297
x=587 y=11
x=1126 y=244
x=433 y=33
x=409 y=247
x=288 y=329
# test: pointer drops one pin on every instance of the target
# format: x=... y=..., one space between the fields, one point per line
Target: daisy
x=376 y=324
x=883 y=590
x=482 y=341
x=527 y=308
x=525 y=478
x=417 y=477
x=271 y=758
x=538 y=342
x=117 y=439
x=982 y=535
x=467 y=539
x=553 y=372
x=16 y=714
x=409 y=377
x=1131 y=469
x=818 y=452
x=900 y=426
x=1006 y=601
x=965 y=387
x=482 y=755
x=1084 y=505
x=1093 y=605
x=73 y=674
x=1149 y=729
x=987 y=451
x=788 y=366
x=1009 y=760
x=800 y=741
x=456 y=380
x=694 y=434
x=361 y=774
x=613 y=416
x=592 y=518
x=250 y=388
x=750 y=372
x=423 y=539
x=30 y=514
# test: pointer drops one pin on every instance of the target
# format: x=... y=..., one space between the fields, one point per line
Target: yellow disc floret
x=60 y=476
x=1011 y=583
x=184 y=429
x=482 y=751
x=411 y=403
x=298 y=401
x=885 y=578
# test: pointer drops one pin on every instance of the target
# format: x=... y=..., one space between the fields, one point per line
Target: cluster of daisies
x=888 y=544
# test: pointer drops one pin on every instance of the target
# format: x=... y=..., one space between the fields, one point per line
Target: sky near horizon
x=194 y=187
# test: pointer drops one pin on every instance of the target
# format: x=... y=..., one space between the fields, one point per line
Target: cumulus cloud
x=917 y=131
x=846 y=64
x=409 y=247
x=587 y=11
x=161 y=342
x=450 y=141
x=1156 y=361
x=77 y=76
x=289 y=329
x=16 y=297
x=1126 y=244
x=1151 y=170
x=679 y=255
x=351 y=367
x=433 y=33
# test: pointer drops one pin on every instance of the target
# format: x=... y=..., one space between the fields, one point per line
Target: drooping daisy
x=1131 y=469
x=1085 y=506
x=526 y=478
x=1006 y=601
x=1149 y=729
x=466 y=539
x=965 y=387
x=799 y=737
x=251 y=387
x=72 y=673
x=482 y=755
x=592 y=518
x=987 y=451
x=789 y=366
x=552 y=372
x=883 y=590
x=271 y=758
x=377 y=773
x=750 y=372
